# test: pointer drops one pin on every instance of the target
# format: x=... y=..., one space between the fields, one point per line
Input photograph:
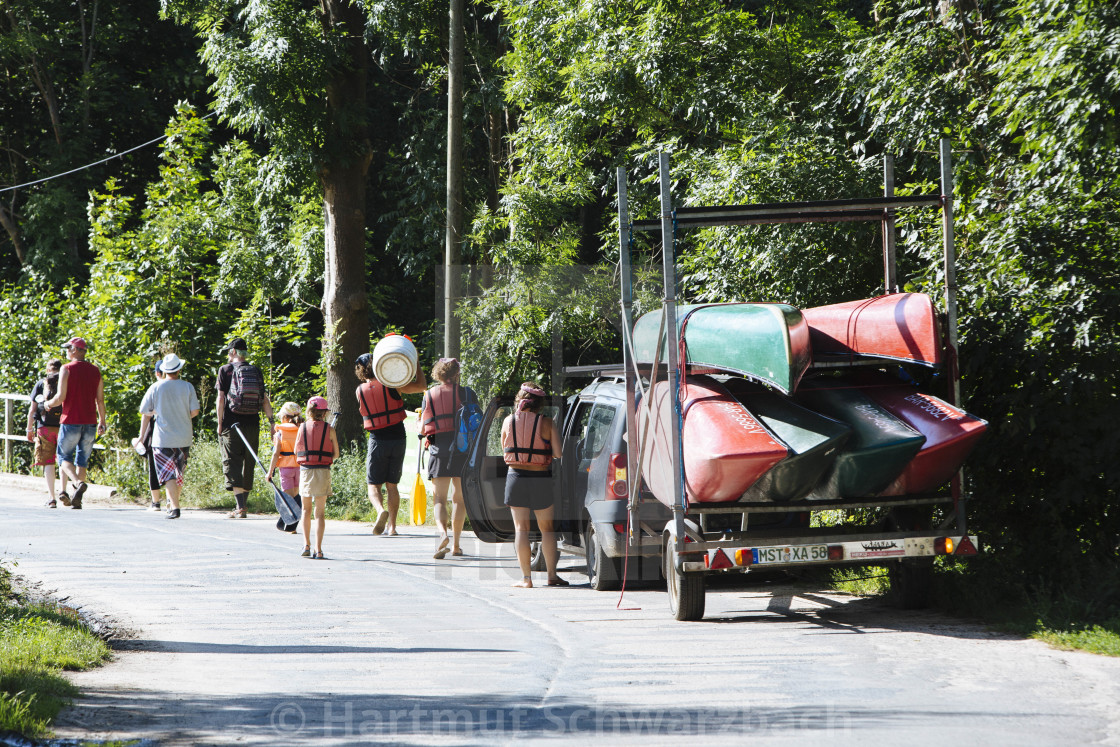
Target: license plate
x=789 y=554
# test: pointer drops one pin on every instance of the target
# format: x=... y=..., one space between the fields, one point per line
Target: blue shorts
x=75 y=444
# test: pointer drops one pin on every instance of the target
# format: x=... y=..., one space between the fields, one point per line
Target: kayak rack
x=671 y=219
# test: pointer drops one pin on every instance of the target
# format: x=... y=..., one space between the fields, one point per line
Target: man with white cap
x=81 y=393
x=173 y=403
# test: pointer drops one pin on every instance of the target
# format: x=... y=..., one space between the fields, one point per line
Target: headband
x=524 y=403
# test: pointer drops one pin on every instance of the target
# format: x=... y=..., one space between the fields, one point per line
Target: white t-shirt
x=171 y=401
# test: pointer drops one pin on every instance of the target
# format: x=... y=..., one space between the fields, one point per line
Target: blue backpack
x=468 y=421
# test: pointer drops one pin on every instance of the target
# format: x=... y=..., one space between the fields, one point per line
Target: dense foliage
x=755 y=100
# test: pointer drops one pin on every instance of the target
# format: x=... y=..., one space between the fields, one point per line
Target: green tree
x=81 y=81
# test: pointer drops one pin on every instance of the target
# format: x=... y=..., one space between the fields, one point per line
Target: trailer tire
x=603 y=573
x=686 y=590
x=911 y=584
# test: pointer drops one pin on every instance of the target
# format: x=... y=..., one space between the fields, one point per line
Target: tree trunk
x=345 y=308
x=452 y=253
x=9 y=224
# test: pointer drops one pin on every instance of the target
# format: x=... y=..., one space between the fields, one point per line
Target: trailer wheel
x=603 y=573
x=686 y=590
x=536 y=559
x=911 y=584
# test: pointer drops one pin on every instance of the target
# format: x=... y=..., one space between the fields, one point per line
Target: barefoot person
x=316 y=450
x=173 y=404
x=42 y=428
x=529 y=444
x=445 y=464
x=81 y=393
x=383 y=416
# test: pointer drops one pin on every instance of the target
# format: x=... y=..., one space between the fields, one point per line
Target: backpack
x=246 y=390
x=468 y=420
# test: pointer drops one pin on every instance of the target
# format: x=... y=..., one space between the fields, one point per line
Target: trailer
x=702 y=539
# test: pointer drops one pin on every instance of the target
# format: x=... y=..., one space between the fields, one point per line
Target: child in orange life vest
x=284 y=450
x=316 y=450
x=530 y=442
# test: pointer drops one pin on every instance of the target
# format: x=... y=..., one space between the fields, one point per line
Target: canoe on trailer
x=813 y=441
x=766 y=342
x=951 y=435
x=880 y=447
x=899 y=326
x=725 y=448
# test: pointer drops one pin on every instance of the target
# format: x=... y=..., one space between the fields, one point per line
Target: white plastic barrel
x=394 y=360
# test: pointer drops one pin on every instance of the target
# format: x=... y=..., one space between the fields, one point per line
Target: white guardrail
x=15 y=426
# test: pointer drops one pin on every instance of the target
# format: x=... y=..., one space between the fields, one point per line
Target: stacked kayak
x=880 y=447
x=725 y=448
x=899 y=326
x=813 y=442
x=766 y=342
x=763 y=430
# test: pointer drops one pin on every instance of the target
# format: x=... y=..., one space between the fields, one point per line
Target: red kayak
x=899 y=326
x=951 y=434
x=726 y=448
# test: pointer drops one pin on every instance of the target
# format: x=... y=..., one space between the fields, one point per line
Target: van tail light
x=617 y=488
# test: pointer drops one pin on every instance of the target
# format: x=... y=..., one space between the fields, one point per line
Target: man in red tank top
x=81 y=393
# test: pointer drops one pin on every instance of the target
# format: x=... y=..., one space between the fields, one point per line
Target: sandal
x=318 y=555
x=306 y=552
x=457 y=551
x=440 y=554
x=52 y=504
x=239 y=513
x=64 y=498
x=557 y=582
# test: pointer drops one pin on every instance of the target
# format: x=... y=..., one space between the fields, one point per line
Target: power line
x=91 y=165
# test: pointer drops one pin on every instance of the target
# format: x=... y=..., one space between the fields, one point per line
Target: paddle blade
x=419 y=502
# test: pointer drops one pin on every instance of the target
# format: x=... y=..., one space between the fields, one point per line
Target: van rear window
x=598 y=430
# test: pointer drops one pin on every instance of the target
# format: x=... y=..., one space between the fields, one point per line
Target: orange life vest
x=287 y=433
x=441 y=402
x=519 y=442
x=381 y=406
x=313 y=444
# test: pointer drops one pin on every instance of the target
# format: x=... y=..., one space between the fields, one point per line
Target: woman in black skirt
x=529 y=444
x=445 y=462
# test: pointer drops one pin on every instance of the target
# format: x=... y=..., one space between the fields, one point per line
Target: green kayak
x=765 y=342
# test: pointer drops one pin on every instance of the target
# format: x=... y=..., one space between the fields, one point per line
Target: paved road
x=235 y=639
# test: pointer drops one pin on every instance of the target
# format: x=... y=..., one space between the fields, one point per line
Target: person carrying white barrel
x=383 y=416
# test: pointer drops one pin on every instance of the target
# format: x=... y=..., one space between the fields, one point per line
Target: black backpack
x=246 y=389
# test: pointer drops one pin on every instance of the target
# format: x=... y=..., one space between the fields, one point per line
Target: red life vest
x=313 y=444
x=287 y=433
x=441 y=402
x=381 y=406
x=519 y=442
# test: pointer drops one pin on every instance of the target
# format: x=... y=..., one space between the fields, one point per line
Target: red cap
x=317 y=403
x=76 y=342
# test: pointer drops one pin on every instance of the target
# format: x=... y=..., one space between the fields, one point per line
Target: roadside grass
x=37 y=642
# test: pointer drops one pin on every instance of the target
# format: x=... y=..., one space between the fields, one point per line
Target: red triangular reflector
x=965 y=547
x=720 y=560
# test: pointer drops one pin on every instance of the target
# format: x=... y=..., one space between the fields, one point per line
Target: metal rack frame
x=823 y=211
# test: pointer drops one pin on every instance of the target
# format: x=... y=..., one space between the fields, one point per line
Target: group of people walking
x=67 y=413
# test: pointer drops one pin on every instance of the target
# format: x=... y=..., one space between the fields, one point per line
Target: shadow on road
x=303 y=718
x=191 y=647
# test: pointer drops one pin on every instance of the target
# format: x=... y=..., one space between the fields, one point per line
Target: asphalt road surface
x=227 y=636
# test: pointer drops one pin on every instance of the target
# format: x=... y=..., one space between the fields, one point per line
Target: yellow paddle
x=419 y=495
